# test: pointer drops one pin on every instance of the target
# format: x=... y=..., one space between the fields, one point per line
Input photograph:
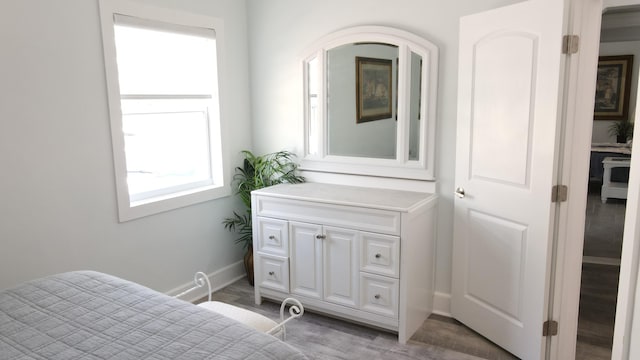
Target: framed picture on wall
x=373 y=89
x=612 y=87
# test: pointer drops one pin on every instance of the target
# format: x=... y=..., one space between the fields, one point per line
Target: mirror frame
x=401 y=166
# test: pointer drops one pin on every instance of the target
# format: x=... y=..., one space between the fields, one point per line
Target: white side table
x=613 y=190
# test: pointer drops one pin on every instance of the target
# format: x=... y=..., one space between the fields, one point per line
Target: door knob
x=459 y=192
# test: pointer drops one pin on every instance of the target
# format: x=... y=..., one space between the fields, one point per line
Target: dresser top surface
x=397 y=200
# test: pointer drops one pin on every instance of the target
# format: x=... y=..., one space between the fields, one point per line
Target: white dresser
x=611 y=189
x=361 y=254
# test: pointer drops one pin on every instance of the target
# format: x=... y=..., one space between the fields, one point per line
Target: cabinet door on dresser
x=324 y=263
x=340 y=266
x=306 y=259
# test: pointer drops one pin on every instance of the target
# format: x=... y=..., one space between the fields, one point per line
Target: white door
x=306 y=259
x=341 y=266
x=508 y=104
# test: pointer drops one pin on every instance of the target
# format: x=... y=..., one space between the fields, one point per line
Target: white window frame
x=127 y=209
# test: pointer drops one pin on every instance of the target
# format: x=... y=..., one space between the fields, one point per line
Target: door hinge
x=559 y=193
x=550 y=328
x=570 y=44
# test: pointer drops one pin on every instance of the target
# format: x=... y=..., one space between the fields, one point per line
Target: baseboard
x=600 y=260
x=219 y=279
x=442 y=304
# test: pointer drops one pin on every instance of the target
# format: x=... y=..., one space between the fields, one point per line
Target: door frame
x=585 y=20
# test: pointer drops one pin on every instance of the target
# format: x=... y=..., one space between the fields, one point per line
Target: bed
x=91 y=315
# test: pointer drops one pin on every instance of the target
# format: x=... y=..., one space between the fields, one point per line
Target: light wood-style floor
x=322 y=337
x=443 y=338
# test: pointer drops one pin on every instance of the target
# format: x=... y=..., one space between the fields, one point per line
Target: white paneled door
x=508 y=104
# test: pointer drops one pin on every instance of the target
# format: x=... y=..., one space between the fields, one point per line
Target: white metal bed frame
x=296 y=309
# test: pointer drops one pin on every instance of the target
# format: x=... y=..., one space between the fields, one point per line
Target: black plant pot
x=248 y=264
x=621 y=139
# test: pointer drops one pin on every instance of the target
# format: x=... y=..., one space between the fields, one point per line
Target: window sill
x=130 y=211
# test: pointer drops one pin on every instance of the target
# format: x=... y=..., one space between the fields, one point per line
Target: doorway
x=604 y=222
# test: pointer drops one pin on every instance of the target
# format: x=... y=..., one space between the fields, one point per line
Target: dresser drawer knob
x=378 y=256
x=271 y=237
x=271 y=273
x=377 y=296
x=321 y=237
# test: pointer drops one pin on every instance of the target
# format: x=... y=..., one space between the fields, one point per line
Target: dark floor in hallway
x=604 y=226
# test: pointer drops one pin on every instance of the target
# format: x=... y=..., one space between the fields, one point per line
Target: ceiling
x=621 y=24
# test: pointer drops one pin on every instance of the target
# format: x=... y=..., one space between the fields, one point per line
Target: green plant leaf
x=622 y=129
x=241 y=224
x=258 y=172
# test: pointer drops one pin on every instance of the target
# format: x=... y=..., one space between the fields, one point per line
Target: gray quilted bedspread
x=90 y=315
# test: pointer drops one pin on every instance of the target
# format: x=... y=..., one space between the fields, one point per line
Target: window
x=162 y=82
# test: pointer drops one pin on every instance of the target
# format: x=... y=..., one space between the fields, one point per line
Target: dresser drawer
x=379 y=294
x=273 y=236
x=380 y=254
x=272 y=272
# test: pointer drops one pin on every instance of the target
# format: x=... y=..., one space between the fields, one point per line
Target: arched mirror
x=370 y=96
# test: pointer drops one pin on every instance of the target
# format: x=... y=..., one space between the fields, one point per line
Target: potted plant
x=622 y=130
x=257 y=172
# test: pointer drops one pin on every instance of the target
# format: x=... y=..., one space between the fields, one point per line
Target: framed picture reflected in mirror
x=374 y=92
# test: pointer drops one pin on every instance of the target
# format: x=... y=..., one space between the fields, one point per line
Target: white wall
x=601 y=127
x=58 y=202
x=281 y=30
